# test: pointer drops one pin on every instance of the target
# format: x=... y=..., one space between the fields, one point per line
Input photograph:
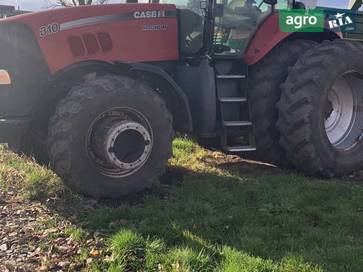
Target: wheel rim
x=343 y=122
x=119 y=142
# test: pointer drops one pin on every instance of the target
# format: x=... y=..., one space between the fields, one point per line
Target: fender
x=51 y=91
x=176 y=100
x=269 y=35
x=156 y=77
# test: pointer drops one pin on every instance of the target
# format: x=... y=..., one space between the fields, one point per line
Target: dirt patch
x=33 y=238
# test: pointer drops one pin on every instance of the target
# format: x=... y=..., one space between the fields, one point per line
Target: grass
x=212 y=214
x=76 y=234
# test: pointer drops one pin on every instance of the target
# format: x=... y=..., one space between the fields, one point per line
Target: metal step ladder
x=235 y=117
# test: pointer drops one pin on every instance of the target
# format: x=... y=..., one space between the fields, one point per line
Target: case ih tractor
x=99 y=91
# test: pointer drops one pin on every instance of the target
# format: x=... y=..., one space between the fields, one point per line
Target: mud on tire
x=123 y=102
x=324 y=86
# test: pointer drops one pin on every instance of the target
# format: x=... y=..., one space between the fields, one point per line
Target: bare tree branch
x=72 y=3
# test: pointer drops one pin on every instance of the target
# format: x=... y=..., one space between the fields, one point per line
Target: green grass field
x=211 y=213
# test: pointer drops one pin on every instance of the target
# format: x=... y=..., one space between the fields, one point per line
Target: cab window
x=240 y=20
x=190 y=25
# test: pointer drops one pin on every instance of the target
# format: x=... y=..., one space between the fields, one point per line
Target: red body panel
x=266 y=38
x=132 y=40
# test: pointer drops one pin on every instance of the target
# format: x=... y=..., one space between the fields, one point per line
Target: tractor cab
x=222 y=26
x=213 y=39
x=219 y=42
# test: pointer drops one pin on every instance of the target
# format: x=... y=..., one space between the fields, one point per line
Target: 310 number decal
x=50 y=29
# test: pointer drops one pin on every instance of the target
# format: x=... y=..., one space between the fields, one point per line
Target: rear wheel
x=266 y=78
x=321 y=118
x=110 y=136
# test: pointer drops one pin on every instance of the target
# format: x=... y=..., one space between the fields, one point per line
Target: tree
x=72 y=3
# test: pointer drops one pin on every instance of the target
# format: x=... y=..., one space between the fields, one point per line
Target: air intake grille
x=76 y=45
x=90 y=44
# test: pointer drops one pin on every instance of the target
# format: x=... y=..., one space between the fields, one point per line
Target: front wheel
x=321 y=118
x=110 y=136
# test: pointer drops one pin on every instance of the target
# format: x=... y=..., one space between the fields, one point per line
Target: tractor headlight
x=4 y=77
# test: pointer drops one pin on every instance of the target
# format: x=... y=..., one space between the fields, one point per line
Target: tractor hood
x=117 y=32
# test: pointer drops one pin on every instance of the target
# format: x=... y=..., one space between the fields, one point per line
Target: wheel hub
x=118 y=145
x=342 y=120
x=341 y=114
x=127 y=144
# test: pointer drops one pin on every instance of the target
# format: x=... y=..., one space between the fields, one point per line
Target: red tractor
x=99 y=91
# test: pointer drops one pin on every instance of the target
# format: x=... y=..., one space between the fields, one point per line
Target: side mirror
x=270 y=2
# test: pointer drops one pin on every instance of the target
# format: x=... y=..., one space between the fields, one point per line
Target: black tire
x=304 y=112
x=266 y=78
x=69 y=129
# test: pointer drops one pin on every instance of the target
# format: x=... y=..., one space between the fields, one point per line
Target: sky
x=43 y=4
x=332 y=3
x=27 y=4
